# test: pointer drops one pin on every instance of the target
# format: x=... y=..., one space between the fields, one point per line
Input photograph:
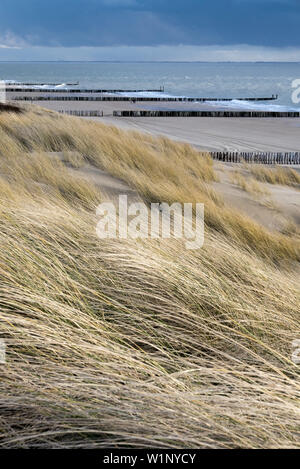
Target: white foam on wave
x=233 y=104
x=252 y=106
x=145 y=94
x=37 y=87
x=49 y=87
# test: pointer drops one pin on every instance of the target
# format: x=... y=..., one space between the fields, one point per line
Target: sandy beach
x=220 y=134
x=205 y=133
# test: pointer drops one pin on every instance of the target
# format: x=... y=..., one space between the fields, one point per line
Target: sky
x=150 y=30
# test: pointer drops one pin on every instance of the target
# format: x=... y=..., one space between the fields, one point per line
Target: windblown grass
x=10 y=108
x=249 y=185
x=282 y=176
x=51 y=175
x=136 y=343
x=159 y=169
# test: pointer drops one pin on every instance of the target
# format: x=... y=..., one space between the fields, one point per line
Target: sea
x=196 y=79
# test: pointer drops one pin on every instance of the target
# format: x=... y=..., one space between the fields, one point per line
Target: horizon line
x=150 y=61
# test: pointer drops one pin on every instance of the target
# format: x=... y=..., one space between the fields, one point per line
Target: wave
x=145 y=94
x=237 y=104
x=250 y=105
x=37 y=87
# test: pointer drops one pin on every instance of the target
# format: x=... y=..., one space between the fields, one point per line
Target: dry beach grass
x=283 y=176
x=137 y=343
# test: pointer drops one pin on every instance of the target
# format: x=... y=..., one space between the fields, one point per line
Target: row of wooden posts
x=123 y=98
x=93 y=113
x=82 y=113
x=258 y=157
x=78 y=90
x=164 y=113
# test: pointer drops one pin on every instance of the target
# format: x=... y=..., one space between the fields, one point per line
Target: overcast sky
x=150 y=30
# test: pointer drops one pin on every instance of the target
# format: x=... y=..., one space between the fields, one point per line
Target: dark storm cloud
x=74 y=23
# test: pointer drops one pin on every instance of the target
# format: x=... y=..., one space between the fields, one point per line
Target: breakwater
x=129 y=98
x=153 y=113
x=80 y=90
x=82 y=113
x=257 y=157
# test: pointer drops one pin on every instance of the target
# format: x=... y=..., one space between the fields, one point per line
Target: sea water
x=209 y=80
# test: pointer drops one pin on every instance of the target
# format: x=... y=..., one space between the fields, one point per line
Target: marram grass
x=137 y=343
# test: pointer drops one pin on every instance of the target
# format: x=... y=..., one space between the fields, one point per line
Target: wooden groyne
x=82 y=113
x=128 y=98
x=272 y=98
x=153 y=113
x=258 y=157
x=82 y=90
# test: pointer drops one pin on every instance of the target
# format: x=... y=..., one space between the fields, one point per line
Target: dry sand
x=280 y=205
x=110 y=186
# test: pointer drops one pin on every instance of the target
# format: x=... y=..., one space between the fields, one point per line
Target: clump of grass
x=291 y=229
x=50 y=174
x=5 y=107
x=282 y=176
x=74 y=159
x=249 y=185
